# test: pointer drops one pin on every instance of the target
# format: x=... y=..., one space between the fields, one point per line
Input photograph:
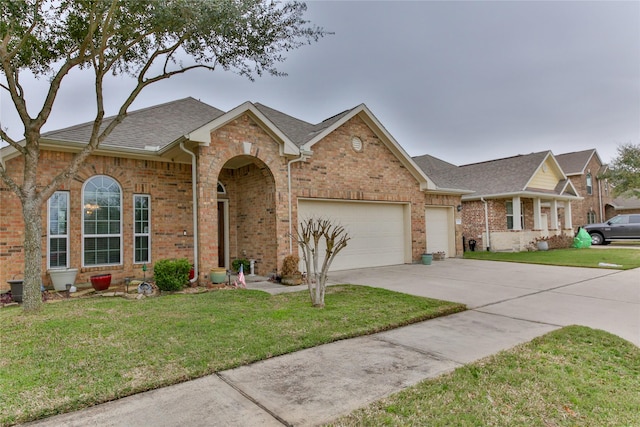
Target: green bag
x=582 y=239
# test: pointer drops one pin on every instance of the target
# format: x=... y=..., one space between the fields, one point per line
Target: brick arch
x=251 y=221
x=116 y=171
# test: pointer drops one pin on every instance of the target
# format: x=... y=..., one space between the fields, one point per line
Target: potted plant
x=61 y=277
x=439 y=256
x=246 y=265
x=427 y=258
x=290 y=275
x=16 y=289
x=101 y=282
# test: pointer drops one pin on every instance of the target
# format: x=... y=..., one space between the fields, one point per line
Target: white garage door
x=377 y=231
x=439 y=230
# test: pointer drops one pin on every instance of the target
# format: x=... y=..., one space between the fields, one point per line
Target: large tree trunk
x=32 y=296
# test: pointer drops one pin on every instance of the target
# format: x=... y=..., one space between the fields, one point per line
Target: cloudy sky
x=462 y=81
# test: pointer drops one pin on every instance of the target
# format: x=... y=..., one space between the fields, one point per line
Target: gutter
x=195 y=210
x=304 y=155
x=486 y=222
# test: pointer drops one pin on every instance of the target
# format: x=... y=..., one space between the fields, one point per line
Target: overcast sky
x=462 y=81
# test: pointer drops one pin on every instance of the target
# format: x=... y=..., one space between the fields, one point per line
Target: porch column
x=537 y=214
x=554 y=215
x=517 y=213
x=567 y=215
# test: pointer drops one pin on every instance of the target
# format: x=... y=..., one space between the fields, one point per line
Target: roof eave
x=528 y=194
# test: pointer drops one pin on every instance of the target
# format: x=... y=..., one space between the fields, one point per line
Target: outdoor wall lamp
x=459 y=208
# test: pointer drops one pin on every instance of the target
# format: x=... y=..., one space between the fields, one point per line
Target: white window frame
x=87 y=235
x=589 y=184
x=51 y=236
x=146 y=234
x=511 y=215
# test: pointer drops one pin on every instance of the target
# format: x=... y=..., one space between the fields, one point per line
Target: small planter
x=218 y=275
x=438 y=256
x=101 y=282
x=543 y=245
x=16 y=289
x=427 y=258
x=293 y=280
x=62 y=277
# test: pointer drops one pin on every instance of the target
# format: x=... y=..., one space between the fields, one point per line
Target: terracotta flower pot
x=101 y=282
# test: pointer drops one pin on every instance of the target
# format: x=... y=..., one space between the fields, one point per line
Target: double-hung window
x=102 y=222
x=589 y=184
x=58 y=230
x=141 y=228
x=510 y=215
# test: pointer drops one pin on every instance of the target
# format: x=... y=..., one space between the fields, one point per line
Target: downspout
x=600 y=210
x=302 y=158
x=195 y=210
x=486 y=222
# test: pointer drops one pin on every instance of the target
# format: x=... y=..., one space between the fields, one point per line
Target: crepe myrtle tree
x=314 y=235
x=148 y=40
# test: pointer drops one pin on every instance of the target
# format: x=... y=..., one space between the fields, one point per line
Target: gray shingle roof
x=626 y=203
x=158 y=126
x=443 y=174
x=576 y=162
x=500 y=176
x=298 y=131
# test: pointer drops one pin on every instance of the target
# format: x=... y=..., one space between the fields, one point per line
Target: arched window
x=102 y=222
x=589 y=184
x=221 y=189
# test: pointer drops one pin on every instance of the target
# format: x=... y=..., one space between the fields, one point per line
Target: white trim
x=83 y=235
x=225 y=207
x=147 y=234
x=203 y=133
x=57 y=236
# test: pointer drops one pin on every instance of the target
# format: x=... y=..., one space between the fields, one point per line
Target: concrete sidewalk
x=510 y=304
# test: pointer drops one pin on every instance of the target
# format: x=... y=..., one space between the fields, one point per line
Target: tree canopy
x=624 y=171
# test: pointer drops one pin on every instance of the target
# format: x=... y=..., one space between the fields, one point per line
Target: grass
x=78 y=353
x=592 y=257
x=575 y=376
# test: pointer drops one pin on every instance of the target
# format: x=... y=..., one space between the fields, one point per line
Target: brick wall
x=590 y=202
x=168 y=184
x=337 y=171
x=257 y=195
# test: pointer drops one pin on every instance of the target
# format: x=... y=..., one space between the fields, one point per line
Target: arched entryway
x=247 y=214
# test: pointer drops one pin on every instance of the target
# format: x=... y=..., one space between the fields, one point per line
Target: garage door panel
x=438 y=230
x=376 y=231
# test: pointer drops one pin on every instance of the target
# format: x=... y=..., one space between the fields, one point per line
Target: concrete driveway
x=598 y=298
x=509 y=304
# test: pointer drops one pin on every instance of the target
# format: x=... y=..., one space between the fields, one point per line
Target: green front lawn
x=588 y=257
x=575 y=376
x=78 y=353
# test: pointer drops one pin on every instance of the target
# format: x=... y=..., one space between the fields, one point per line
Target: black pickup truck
x=620 y=227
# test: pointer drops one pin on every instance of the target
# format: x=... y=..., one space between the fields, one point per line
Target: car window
x=634 y=219
x=620 y=219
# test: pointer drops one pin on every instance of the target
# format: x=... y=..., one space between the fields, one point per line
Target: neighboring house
x=622 y=205
x=585 y=170
x=510 y=201
x=184 y=179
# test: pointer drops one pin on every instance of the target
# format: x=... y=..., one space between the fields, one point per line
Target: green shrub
x=171 y=274
x=236 y=265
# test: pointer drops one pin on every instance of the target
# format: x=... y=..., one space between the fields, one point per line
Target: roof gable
x=329 y=125
x=577 y=162
x=548 y=174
